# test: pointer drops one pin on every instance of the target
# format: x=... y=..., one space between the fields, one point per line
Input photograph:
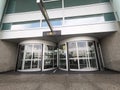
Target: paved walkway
x=38 y=81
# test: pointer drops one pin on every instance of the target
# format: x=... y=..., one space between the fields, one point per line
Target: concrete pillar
x=8 y=56
x=2 y=6
x=111 y=51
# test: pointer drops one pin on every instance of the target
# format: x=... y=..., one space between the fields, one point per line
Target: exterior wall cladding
x=110 y=42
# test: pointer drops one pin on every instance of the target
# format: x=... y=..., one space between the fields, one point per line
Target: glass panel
x=21 y=53
x=54 y=23
x=81 y=44
x=35 y=55
x=11 y=5
x=20 y=57
x=49 y=57
x=55 y=62
x=28 y=48
x=82 y=63
x=37 y=47
x=22 y=47
x=73 y=63
x=82 y=53
x=109 y=16
x=26 y=5
x=28 y=55
x=55 y=58
x=91 y=49
x=62 y=56
x=48 y=63
x=40 y=64
x=16 y=6
x=84 y=20
x=93 y=63
x=82 y=49
x=69 y=3
x=72 y=50
x=53 y=4
x=6 y=26
x=25 y=25
x=62 y=64
x=19 y=65
x=27 y=65
x=92 y=54
x=34 y=64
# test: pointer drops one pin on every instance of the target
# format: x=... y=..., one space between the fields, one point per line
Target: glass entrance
x=82 y=56
x=30 y=57
x=50 y=57
x=72 y=55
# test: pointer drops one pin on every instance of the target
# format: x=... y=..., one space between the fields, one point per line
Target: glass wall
x=30 y=57
x=82 y=55
x=14 y=6
x=75 y=55
x=36 y=56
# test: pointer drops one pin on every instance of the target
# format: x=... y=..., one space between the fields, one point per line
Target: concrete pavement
x=29 y=81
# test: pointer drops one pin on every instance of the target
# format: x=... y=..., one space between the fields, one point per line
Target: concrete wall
x=8 y=53
x=111 y=51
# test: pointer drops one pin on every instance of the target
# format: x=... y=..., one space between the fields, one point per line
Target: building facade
x=88 y=37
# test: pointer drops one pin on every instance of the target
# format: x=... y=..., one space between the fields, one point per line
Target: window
x=83 y=20
x=109 y=16
x=69 y=3
x=54 y=23
x=21 y=25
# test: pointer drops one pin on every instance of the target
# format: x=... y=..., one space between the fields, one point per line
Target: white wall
x=2 y=5
x=65 y=30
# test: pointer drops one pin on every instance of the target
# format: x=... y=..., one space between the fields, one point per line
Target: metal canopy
x=44 y=12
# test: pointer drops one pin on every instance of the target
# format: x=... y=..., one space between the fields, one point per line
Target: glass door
x=49 y=57
x=82 y=55
x=62 y=57
x=92 y=55
x=73 y=60
x=37 y=56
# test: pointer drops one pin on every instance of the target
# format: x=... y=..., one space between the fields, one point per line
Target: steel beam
x=44 y=12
